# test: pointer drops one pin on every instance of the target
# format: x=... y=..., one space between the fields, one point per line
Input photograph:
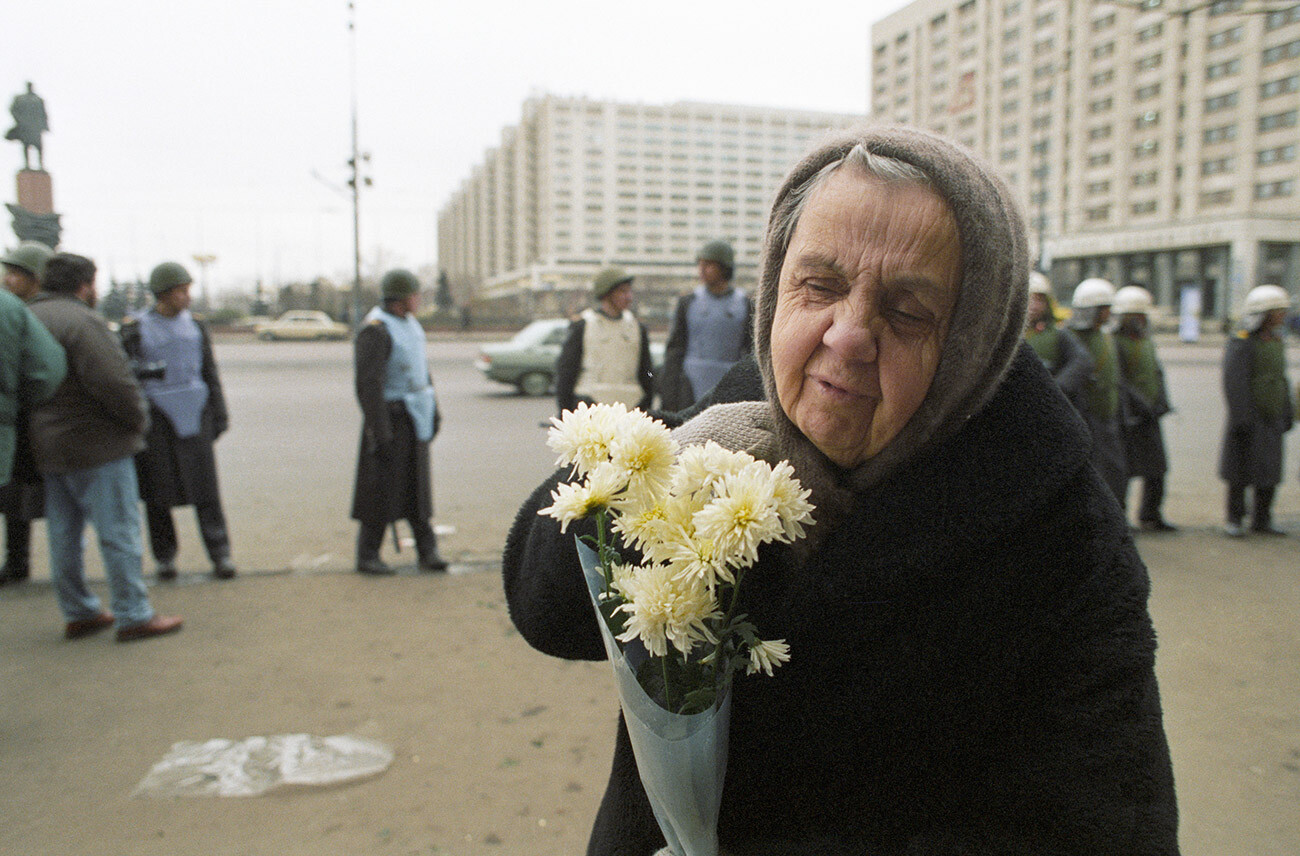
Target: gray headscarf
x=984 y=331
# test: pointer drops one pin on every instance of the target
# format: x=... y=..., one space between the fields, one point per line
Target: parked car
x=527 y=361
x=302 y=324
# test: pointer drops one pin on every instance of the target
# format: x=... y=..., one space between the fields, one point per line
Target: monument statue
x=34 y=218
x=30 y=121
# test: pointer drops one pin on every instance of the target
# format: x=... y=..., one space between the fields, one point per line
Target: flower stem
x=602 y=550
x=668 y=693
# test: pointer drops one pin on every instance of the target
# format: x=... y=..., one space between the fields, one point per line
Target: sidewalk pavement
x=501 y=750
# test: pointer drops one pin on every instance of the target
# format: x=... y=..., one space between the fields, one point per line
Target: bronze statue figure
x=30 y=121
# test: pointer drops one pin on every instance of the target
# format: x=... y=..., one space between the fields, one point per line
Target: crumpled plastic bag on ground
x=246 y=768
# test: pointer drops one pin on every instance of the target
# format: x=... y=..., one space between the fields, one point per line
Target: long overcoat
x=1144 y=442
x=394 y=479
x=972 y=661
x=1252 y=447
x=32 y=365
x=175 y=471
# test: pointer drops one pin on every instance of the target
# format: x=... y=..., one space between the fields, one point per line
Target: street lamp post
x=203 y=260
x=357 y=179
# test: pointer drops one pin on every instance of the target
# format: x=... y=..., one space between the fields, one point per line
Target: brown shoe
x=159 y=625
x=88 y=626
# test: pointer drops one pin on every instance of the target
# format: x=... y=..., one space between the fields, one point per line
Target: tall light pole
x=356 y=180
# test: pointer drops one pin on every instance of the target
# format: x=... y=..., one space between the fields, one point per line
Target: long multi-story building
x=579 y=184
x=1152 y=142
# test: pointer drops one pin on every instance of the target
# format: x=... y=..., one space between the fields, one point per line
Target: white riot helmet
x=1265 y=298
x=1093 y=292
x=1039 y=283
x=1133 y=300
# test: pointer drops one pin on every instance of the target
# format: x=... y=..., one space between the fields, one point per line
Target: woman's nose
x=854 y=332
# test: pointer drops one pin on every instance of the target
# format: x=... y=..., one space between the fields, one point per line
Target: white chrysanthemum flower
x=792 y=504
x=620 y=573
x=700 y=468
x=645 y=450
x=664 y=610
x=695 y=559
x=741 y=516
x=577 y=500
x=642 y=524
x=766 y=656
x=582 y=436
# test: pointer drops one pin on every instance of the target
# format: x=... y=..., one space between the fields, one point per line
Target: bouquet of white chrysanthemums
x=671 y=627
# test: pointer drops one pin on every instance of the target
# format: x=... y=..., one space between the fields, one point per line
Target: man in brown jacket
x=84 y=439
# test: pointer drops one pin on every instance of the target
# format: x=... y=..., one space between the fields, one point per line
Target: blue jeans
x=108 y=497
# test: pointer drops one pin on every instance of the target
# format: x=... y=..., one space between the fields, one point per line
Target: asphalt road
x=286 y=465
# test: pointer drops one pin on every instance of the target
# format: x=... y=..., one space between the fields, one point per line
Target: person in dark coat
x=606 y=355
x=1146 y=401
x=187 y=414
x=1099 y=400
x=400 y=418
x=1064 y=355
x=712 y=329
x=1260 y=410
x=971 y=656
x=22 y=500
x=84 y=440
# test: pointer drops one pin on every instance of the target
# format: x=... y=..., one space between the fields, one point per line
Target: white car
x=527 y=361
x=302 y=324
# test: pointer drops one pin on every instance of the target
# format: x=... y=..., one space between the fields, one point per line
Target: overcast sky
x=223 y=126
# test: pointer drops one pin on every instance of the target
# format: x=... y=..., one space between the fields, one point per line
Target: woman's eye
x=822 y=288
x=909 y=319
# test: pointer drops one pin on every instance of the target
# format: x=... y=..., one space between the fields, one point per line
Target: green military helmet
x=399 y=283
x=29 y=256
x=717 y=251
x=609 y=279
x=167 y=276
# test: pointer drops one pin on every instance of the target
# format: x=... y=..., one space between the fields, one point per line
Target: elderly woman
x=972 y=658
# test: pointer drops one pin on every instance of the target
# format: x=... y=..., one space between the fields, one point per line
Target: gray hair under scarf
x=987 y=320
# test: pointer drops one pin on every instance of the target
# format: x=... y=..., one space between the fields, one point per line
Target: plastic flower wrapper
x=697 y=516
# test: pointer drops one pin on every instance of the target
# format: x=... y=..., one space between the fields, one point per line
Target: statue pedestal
x=34 y=217
x=35 y=191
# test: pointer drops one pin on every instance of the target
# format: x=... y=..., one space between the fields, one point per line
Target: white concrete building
x=1153 y=142
x=580 y=184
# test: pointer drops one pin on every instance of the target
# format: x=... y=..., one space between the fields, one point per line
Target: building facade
x=579 y=184
x=1152 y=142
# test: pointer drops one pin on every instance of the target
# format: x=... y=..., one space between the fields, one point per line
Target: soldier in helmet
x=606 y=356
x=22 y=500
x=1259 y=410
x=1099 y=400
x=172 y=352
x=24 y=266
x=1065 y=357
x=400 y=418
x=712 y=329
x=1146 y=400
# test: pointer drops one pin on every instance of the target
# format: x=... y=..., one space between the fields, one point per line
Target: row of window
x=653 y=119
x=1221 y=38
x=1208 y=199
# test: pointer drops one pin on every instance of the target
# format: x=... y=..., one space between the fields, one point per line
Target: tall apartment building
x=580 y=184
x=1152 y=142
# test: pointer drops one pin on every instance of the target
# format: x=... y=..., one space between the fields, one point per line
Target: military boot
x=426 y=546
x=368 y=561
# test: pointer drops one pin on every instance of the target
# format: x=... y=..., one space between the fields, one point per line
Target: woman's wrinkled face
x=867 y=289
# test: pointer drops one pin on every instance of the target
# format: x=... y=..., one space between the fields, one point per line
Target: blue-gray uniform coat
x=394 y=479
x=175 y=471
